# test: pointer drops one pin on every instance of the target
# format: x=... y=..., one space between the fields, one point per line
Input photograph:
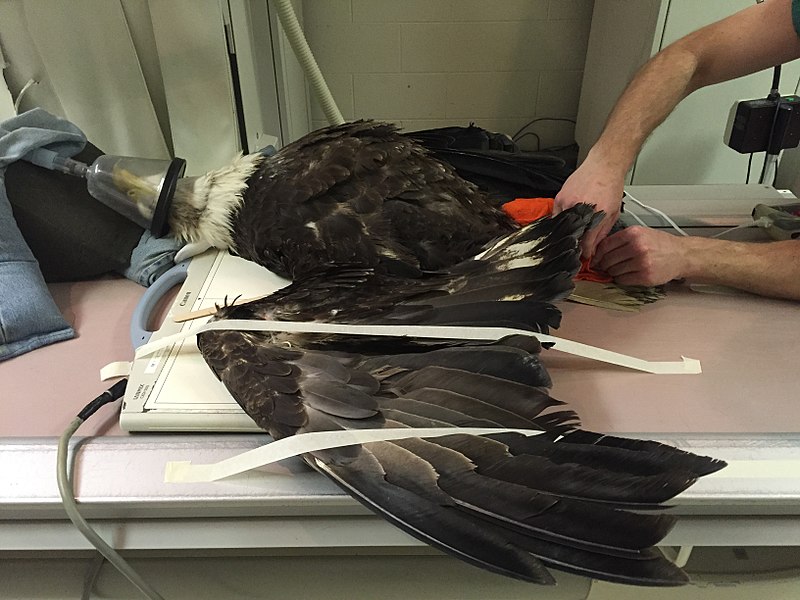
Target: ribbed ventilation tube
x=304 y=55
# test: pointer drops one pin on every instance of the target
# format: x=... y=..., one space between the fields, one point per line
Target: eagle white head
x=203 y=207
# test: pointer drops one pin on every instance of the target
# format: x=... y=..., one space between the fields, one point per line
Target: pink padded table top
x=42 y=391
x=747 y=346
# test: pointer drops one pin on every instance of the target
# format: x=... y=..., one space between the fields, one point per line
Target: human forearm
x=644 y=256
x=646 y=102
x=769 y=269
x=753 y=39
x=650 y=97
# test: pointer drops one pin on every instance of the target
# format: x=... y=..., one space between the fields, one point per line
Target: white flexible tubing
x=21 y=94
x=655 y=211
x=769 y=169
x=304 y=55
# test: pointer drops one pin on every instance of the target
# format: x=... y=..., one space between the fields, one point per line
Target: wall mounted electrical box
x=764 y=124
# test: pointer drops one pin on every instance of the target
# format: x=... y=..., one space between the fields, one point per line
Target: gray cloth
x=29 y=318
x=151 y=258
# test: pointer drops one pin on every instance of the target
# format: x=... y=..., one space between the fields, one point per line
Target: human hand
x=593 y=185
x=642 y=256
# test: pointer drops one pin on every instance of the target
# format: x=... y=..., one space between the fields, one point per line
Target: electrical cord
x=658 y=213
x=91 y=576
x=636 y=218
x=768 y=169
x=760 y=222
x=559 y=148
x=531 y=133
x=22 y=93
x=771 y=160
x=115 y=392
x=529 y=123
x=774 y=92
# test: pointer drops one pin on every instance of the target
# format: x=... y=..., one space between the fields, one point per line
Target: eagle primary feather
x=511 y=504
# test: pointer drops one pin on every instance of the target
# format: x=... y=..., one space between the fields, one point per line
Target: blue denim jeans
x=151 y=258
x=29 y=318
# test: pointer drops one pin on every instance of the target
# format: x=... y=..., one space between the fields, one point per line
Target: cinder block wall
x=430 y=63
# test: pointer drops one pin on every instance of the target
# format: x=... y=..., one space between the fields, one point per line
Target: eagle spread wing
x=507 y=502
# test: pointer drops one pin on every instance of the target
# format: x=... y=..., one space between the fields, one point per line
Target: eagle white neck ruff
x=203 y=207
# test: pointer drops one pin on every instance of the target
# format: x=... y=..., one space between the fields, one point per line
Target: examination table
x=744 y=408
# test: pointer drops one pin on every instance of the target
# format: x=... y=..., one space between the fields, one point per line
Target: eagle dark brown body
x=361 y=193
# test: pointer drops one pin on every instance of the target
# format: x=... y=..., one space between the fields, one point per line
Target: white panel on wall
x=255 y=60
x=83 y=56
x=23 y=62
x=190 y=36
x=137 y=14
x=623 y=36
x=6 y=101
x=153 y=78
x=294 y=108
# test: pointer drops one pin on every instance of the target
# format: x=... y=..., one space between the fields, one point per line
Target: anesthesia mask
x=140 y=189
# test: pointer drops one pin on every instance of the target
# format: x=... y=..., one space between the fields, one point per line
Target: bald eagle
x=373 y=230
x=358 y=193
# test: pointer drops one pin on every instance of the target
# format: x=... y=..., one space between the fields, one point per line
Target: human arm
x=642 y=256
x=751 y=40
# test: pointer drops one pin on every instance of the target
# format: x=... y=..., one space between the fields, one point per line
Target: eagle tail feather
x=436 y=495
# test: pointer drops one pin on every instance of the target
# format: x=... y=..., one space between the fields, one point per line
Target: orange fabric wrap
x=527 y=210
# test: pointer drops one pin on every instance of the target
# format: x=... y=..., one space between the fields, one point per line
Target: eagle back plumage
x=361 y=193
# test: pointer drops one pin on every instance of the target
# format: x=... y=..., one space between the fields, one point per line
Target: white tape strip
x=185 y=471
x=684 y=367
x=115 y=369
x=760 y=469
x=689 y=366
